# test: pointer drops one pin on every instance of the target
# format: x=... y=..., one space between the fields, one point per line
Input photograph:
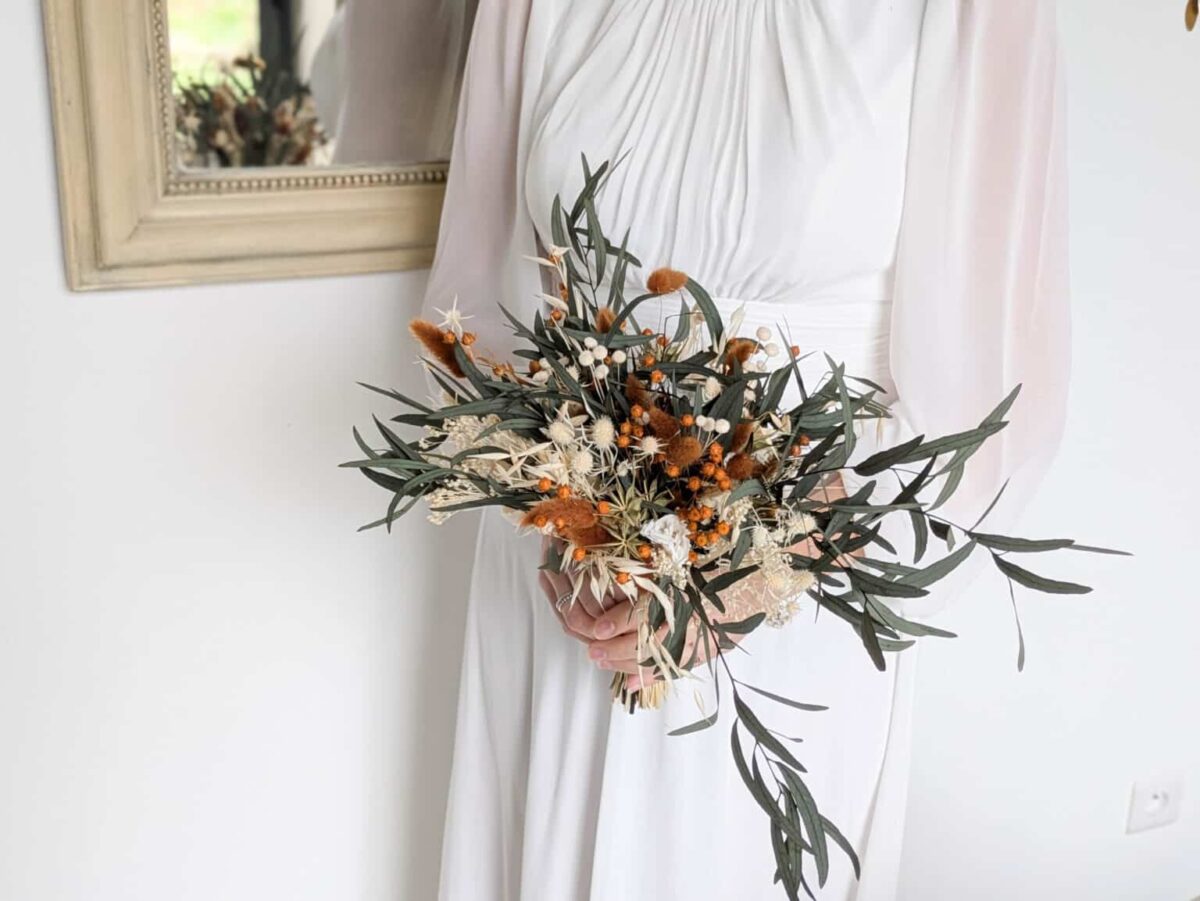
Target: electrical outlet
x=1155 y=803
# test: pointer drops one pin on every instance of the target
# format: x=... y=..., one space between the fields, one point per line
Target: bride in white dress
x=882 y=176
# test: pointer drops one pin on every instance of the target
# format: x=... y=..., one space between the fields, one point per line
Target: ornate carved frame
x=131 y=217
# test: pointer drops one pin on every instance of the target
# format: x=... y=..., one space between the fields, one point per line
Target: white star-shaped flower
x=453 y=318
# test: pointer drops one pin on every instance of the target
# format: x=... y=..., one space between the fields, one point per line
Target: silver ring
x=562 y=599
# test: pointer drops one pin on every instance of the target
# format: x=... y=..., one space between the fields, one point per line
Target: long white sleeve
x=486 y=231
x=982 y=295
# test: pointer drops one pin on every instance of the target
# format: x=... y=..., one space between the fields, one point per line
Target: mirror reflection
x=315 y=82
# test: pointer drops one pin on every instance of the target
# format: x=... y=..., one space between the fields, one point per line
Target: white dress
x=774 y=149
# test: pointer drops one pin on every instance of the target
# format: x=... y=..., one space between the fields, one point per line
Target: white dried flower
x=704 y=422
x=619 y=357
x=582 y=463
x=560 y=432
x=721 y=426
x=712 y=387
x=541 y=376
x=773 y=350
x=604 y=433
x=763 y=334
x=586 y=358
x=590 y=343
x=669 y=534
x=600 y=351
x=573 y=372
x=650 y=446
x=600 y=371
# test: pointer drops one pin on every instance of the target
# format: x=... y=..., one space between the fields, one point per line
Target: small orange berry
x=564 y=492
x=706 y=513
x=693 y=527
x=637 y=411
x=638 y=431
x=796 y=450
x=693 y=514
x=687 y=420
x=722 y=528
x=544 y=484
x=724 y=484
x=694 y=483
x=622 y=578
x=693 y=556
x=662 y=341
x=579 y=555
x=673 y=471
x=657 y=376
x=702 y=540
x=560 y=523
x=721 y=473
x=647 y=332
x=468 y=339
x=716 y=453
x=708 y=470
x=604 y=508
x=648 y=361
x=644 y=551
x=556 y=315
x=540 y=521
x=623 y=441
x=805 y=441
x=626 y=427
x=448 y=337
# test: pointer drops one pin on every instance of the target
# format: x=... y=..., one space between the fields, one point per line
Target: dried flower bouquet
x=668 y=470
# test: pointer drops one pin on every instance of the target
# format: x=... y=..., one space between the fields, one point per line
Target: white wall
x=1022 y=782
x=211 y=687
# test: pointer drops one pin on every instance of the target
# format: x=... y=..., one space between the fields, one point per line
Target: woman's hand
x=609 y=625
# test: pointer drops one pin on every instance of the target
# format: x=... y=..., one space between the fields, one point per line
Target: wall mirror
x=207 y=140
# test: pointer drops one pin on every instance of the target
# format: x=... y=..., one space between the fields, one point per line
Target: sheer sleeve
x=399 y=78
x=486 y=231
x=982 y=300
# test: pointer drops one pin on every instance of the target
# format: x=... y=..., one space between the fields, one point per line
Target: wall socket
x=1155 y=803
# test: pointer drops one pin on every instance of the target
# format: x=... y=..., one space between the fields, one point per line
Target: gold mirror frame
x=132 y=218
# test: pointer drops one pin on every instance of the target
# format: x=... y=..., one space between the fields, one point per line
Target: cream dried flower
x=604 y=433
x=583 y=463
x=650 y=446
x=560 y=432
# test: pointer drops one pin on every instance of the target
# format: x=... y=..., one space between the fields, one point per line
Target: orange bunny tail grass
x=663 y=425
x=666 y=281
x=684 y=450
x=636 y=393
x=742 y=467
x=572 y=513
x=740 y=349
x=588 y=537
x=435 y=342
x=605 y=319
x=742 y=433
